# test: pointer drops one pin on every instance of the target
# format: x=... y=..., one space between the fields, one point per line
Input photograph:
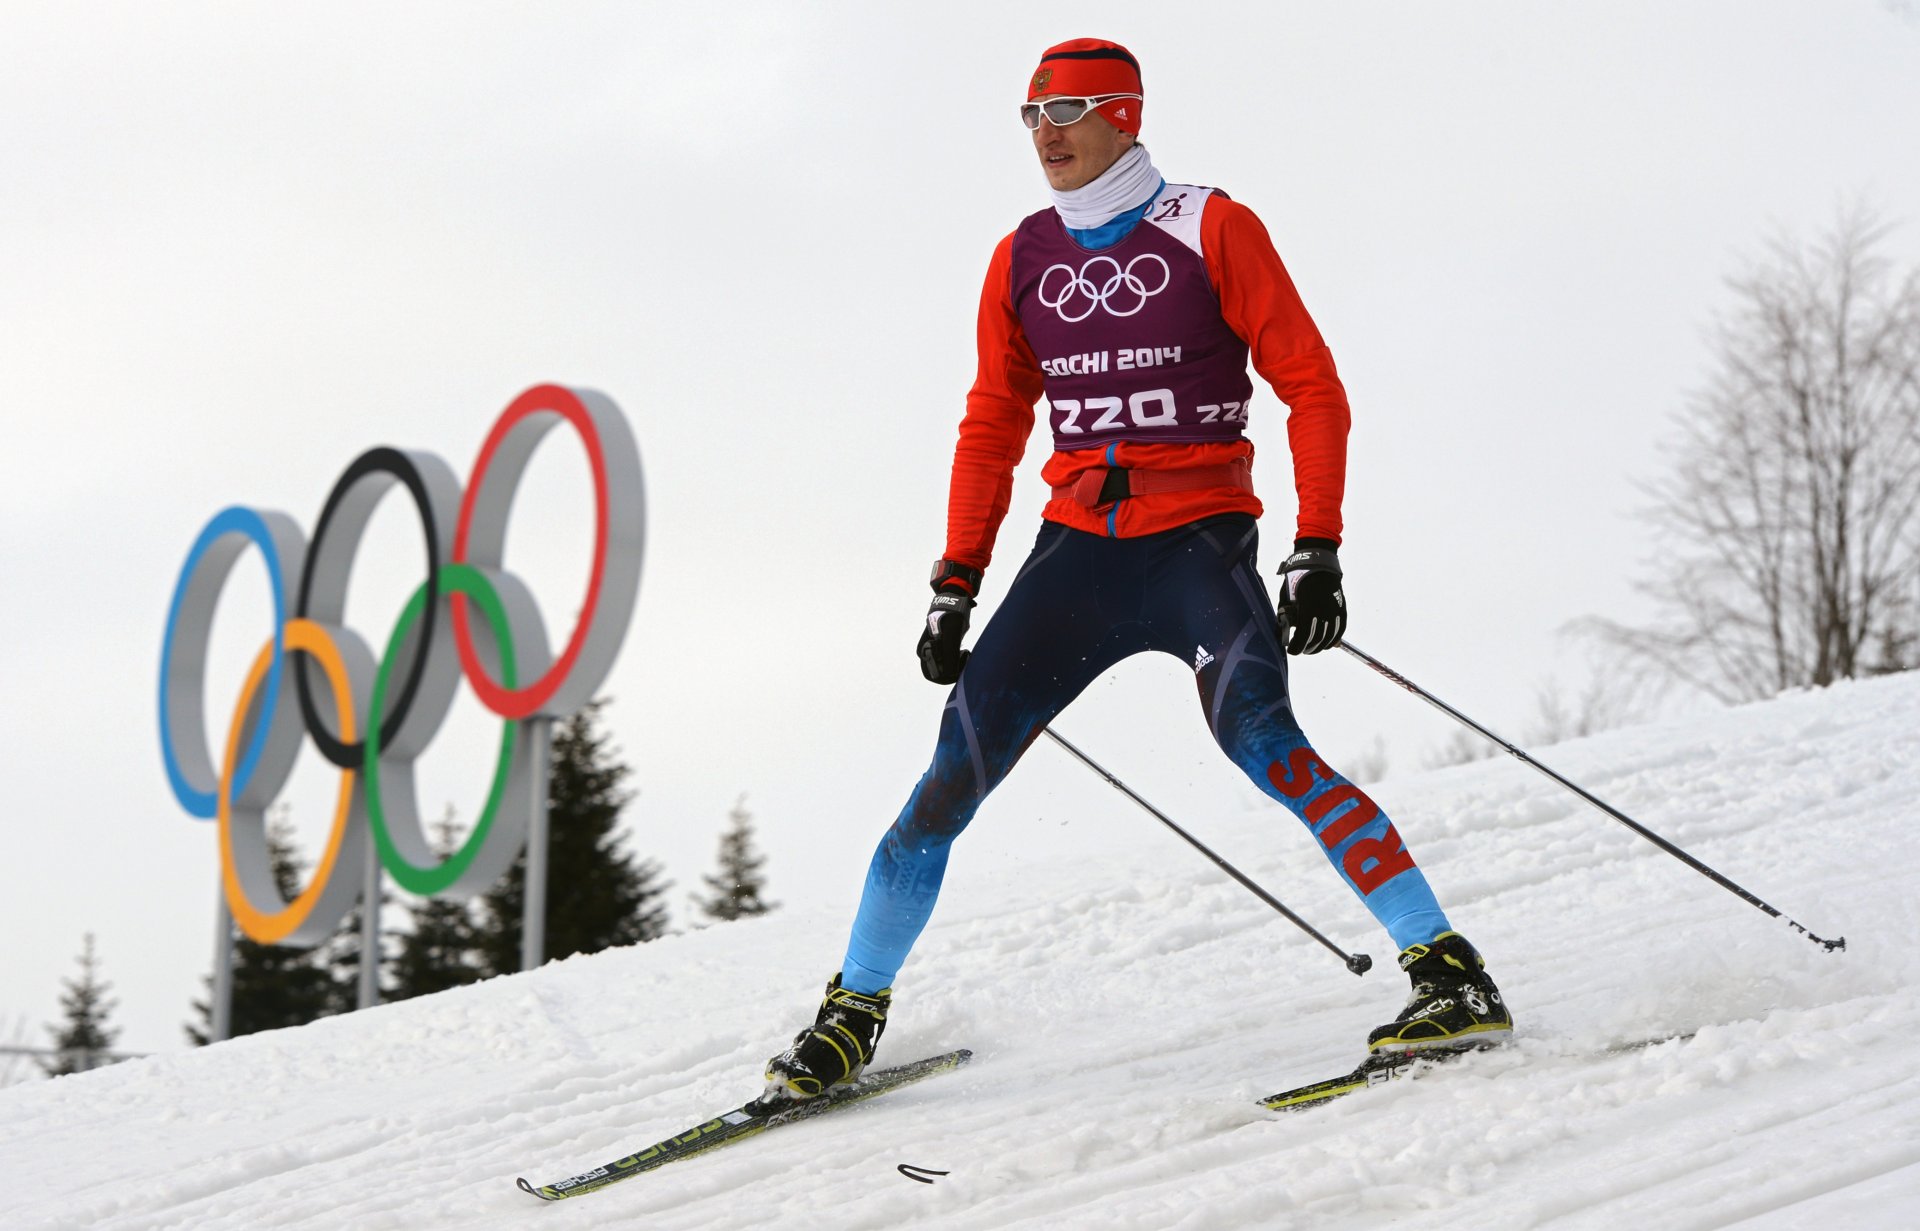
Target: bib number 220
x=1147 y=408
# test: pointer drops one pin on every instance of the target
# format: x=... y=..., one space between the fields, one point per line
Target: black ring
x=379 y=460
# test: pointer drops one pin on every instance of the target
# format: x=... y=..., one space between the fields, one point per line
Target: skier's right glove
x=954 y=586
x=941 y=657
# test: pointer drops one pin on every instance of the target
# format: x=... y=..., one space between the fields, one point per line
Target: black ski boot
x=833 y=1050
x=1454 y=1005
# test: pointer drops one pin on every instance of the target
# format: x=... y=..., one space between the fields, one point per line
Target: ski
x=743 y=1121
x=1384 y=1067
x=1375 y=1070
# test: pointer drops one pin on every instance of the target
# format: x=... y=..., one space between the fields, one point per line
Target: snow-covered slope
x=1126 y=1009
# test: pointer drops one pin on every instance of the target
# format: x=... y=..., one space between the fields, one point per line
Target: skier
x=1134 y=305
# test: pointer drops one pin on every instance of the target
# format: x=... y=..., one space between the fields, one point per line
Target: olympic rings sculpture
x=1099 y=295
x=373 y=718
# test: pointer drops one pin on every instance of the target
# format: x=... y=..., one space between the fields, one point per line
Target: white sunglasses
x=1061 y=112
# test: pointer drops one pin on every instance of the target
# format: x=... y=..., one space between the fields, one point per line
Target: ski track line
x=1784 y=1192
x=1708 y=1186
x=173 y=1200
x=1881 y=1202
x=255 y=1179
x=1728 y=1074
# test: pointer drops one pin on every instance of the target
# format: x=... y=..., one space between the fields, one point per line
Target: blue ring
x=234 y=520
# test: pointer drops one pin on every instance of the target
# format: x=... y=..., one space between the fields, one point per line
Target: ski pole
x=1358 y=963
x=1602 y=805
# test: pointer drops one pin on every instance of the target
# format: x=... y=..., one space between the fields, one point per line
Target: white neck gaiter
x=1126 y=185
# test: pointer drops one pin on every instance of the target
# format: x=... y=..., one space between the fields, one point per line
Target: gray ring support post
x=220 y=1009
x=1358 y=963
x=538 y=731
x=369 y=990
x=1597 y=802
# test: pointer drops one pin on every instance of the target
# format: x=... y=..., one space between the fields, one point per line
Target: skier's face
x=1077 y=154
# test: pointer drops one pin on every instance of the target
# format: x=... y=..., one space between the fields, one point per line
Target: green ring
x=453 y=579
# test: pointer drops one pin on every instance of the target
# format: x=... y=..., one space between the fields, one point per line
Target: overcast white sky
x=241 y=244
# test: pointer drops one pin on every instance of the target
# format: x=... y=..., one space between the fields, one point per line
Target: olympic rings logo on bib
x=1121 y=293
x=371 y=718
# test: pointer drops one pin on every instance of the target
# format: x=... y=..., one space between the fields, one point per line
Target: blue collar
x=1115 y=229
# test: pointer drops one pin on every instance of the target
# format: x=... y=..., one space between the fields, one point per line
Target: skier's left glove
x=1312 y=609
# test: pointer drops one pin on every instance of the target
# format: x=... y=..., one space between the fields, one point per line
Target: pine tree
x=736 y=891
x=598 y=896
x=339 y=956
x=438 y=951
x=83 y=1042
x=273 y=985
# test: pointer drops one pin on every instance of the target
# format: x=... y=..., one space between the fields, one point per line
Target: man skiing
x=1135 y=306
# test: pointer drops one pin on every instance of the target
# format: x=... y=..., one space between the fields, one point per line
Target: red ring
x=523 y=702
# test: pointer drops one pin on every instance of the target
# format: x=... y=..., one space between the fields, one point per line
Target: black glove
x=941 y=657
x=1312 y=609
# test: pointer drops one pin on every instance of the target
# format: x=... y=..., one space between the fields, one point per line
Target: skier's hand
x=1312 y=609
x=941 y=657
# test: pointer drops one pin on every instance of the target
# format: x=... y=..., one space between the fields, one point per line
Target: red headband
x=1087 y=66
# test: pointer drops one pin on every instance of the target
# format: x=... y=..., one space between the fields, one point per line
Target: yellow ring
x=271 y=927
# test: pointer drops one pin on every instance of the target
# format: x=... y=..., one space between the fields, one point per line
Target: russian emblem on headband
x=1041 y=78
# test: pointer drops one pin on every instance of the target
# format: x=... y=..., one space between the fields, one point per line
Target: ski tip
x=1312 y=1096
x=528 y=1188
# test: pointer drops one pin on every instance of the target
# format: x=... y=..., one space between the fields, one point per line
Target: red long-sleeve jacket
x=1259 y=303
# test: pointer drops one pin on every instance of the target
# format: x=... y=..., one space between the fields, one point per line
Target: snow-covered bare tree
x=1789 y=529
